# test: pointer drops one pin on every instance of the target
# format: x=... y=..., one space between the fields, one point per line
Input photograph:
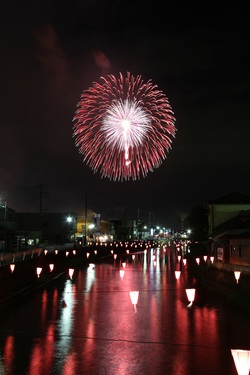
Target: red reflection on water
x=54 y=303
x=70 y=363
x=44 y=307
x=97 y=331
x=42 y=355
x=8 y=357
x=88 y=349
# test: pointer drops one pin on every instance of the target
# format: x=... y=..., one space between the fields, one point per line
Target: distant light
x=190 y=296
x=134 y=295
x=51 y=267
x=38 y=271
x=122 y=272
x=237 y=275
x=71 y=272
x=177 y=274
x=12 y=267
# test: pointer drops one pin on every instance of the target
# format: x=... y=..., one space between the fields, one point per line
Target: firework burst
x=123 y=127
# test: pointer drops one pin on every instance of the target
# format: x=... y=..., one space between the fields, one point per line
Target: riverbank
x=220 y=278
x=24 y=279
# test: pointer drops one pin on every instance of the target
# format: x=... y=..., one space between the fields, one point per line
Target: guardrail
x=9 y=258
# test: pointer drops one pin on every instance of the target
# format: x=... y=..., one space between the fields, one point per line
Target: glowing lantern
x=133 y=256
x=87 y=255
x=190 y=296
x=134 y=298
x=241 y=360
x=184 y=261
x=177 y=274
x=197 y=260
x=124 y=264
x=127 y=251
x=179 y=258
x=12 y=267
x=205 y=258
x=51 y=267
x=122 y=273
x=67 y=253
x=95 y=251
x=237 y=275
x=112 y=251
x=115 y=256
x=56 y=251
x=45 y=252
x=74 y=252
x=71 y=272
x=38 y=271
x=211 y=259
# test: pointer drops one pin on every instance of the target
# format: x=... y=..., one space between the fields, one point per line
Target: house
x=226 y=207
x=229 y=228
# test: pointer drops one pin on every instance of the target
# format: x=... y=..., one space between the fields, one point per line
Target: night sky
x=53 y=50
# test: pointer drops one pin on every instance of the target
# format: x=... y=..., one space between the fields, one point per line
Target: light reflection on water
x=88 y=325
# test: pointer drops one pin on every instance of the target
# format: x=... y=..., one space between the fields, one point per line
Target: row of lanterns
x=241 y=357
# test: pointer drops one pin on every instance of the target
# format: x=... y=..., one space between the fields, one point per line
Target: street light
x=4 y=226
x=71 y=219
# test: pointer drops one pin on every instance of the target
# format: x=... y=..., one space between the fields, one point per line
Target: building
x=8 y=228
x=34 y=229
x=226 y=207
x=229 y=228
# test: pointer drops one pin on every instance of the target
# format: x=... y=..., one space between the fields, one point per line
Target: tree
x=197 y=221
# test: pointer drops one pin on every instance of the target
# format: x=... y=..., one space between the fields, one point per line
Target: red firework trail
x=123 y=127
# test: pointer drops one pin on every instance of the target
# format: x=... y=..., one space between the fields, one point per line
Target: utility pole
x=4 y=206
x=43 y=193
x=86 y=213
x=5 y=227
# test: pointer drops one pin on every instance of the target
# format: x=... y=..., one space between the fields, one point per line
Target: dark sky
x=53 y=50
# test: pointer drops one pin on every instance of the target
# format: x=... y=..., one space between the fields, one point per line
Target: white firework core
x=125 y=125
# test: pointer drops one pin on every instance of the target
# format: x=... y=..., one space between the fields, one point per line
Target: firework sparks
x=123 y=127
